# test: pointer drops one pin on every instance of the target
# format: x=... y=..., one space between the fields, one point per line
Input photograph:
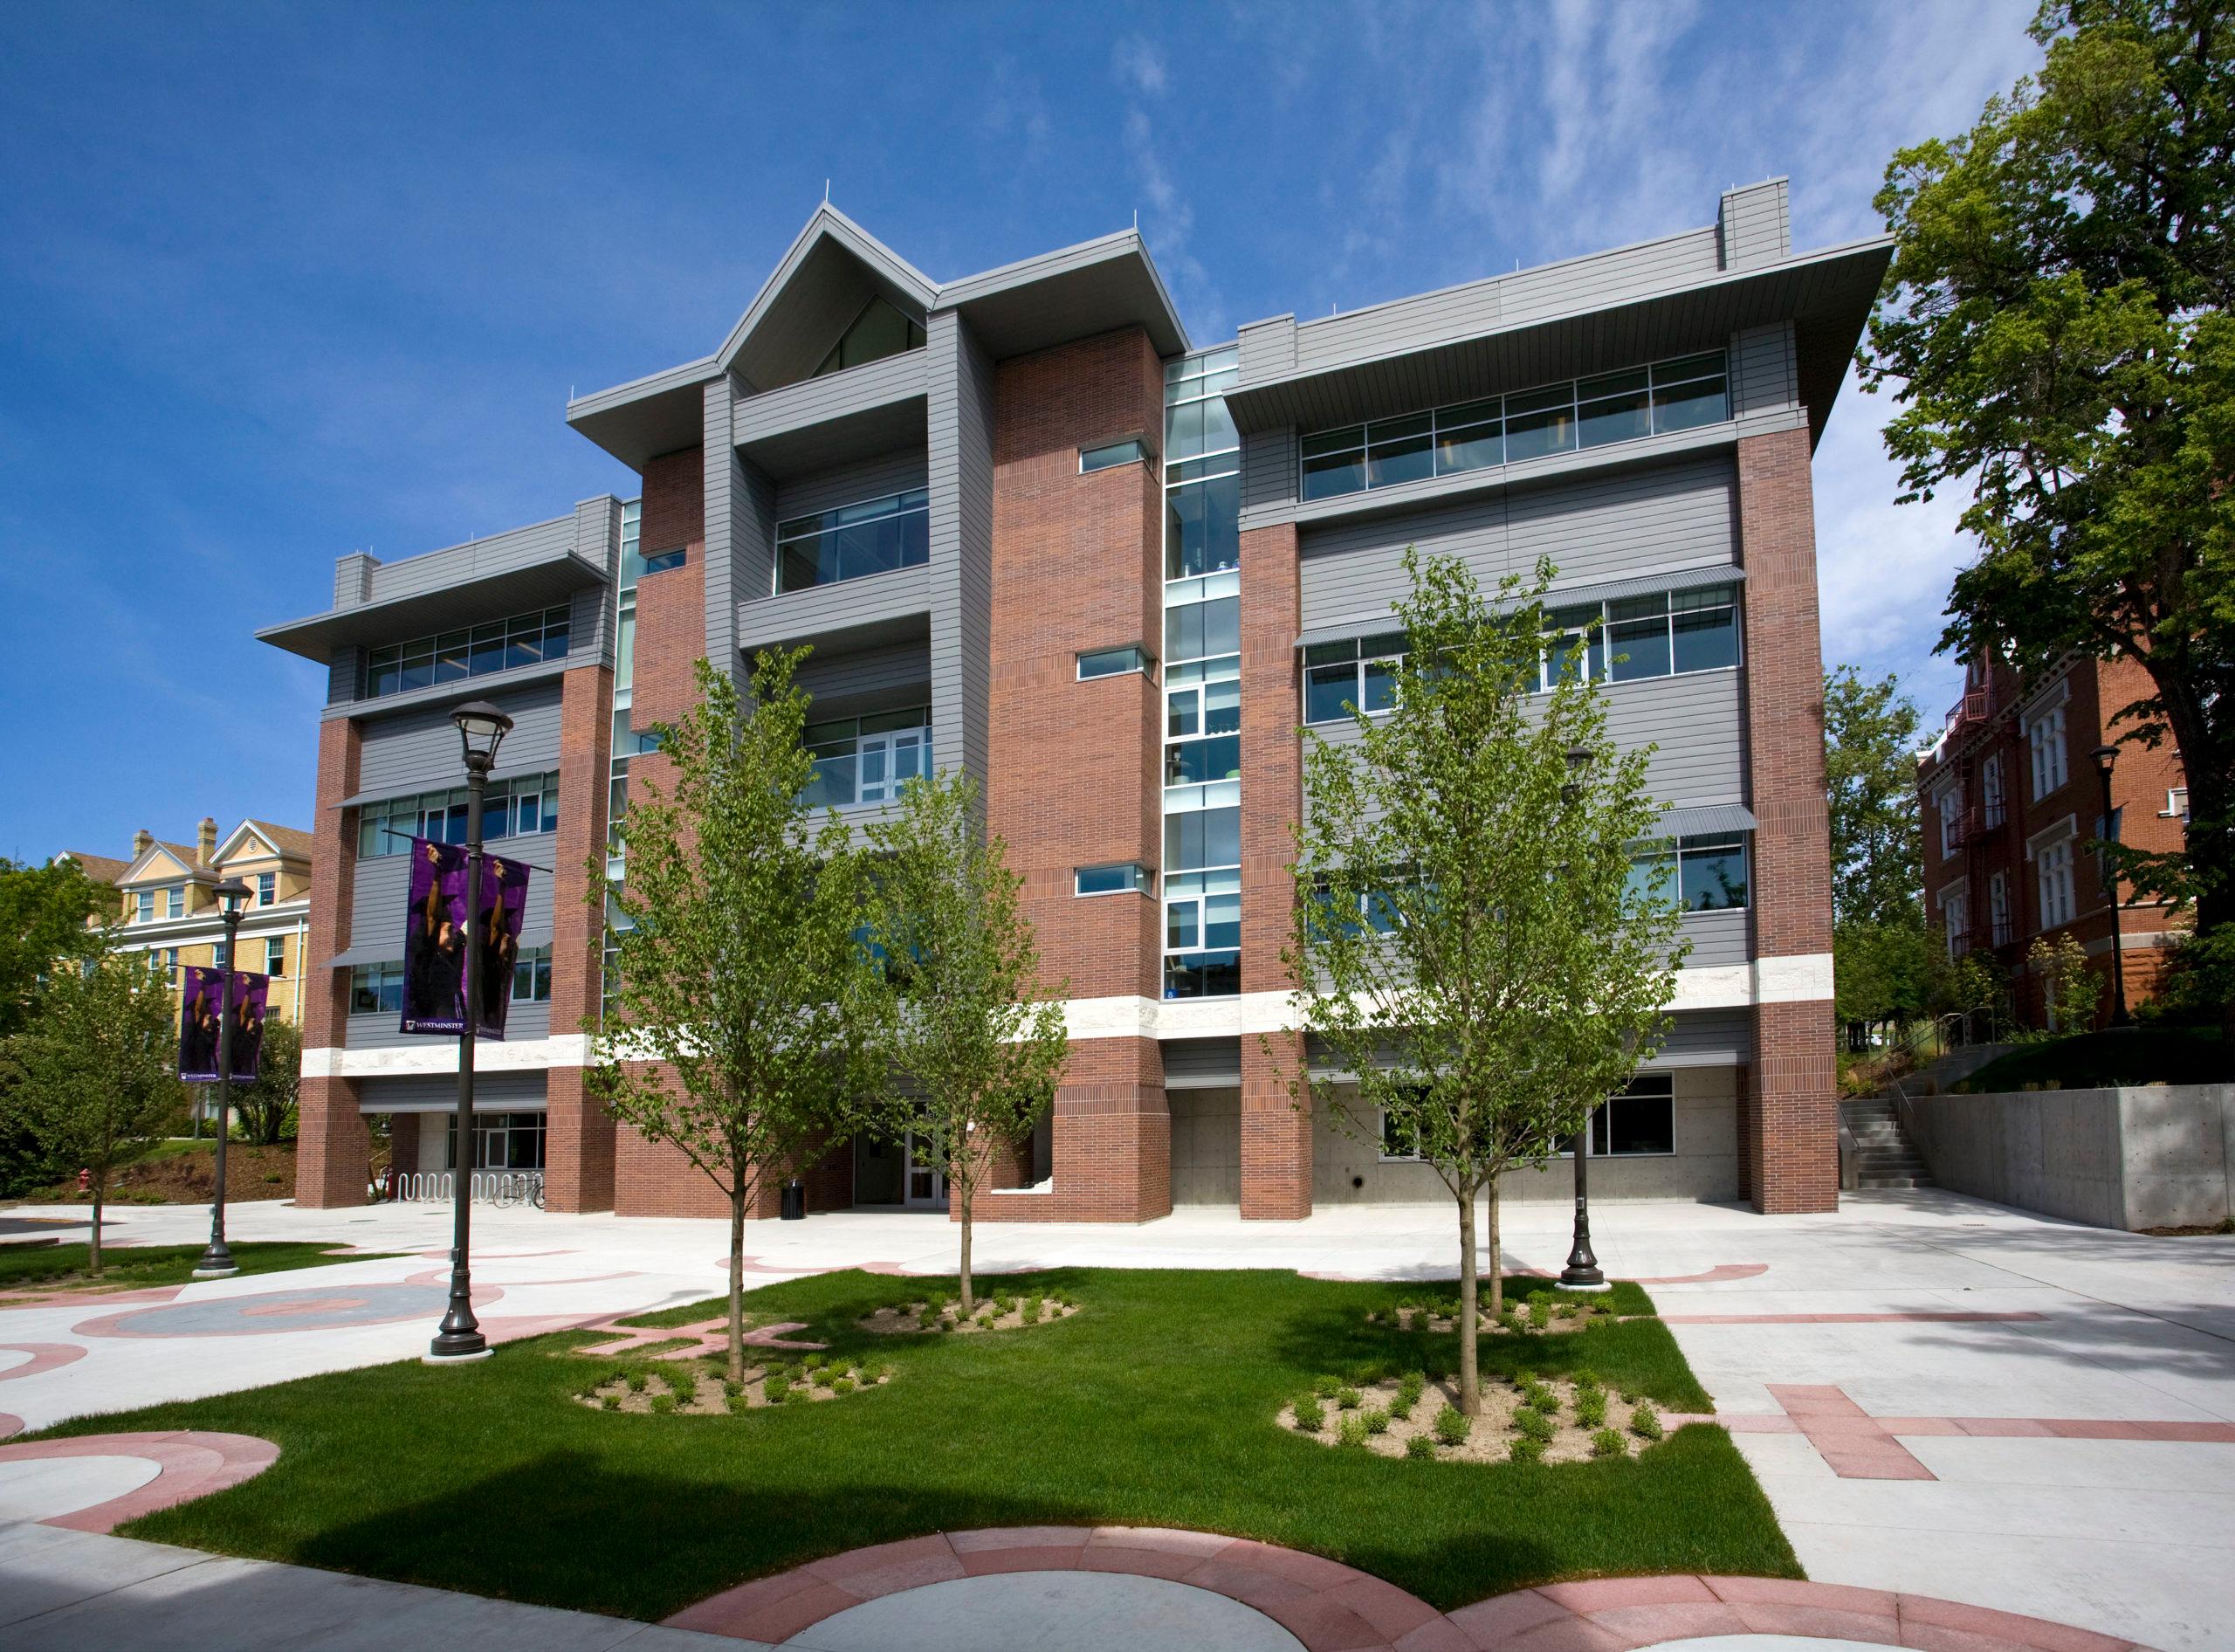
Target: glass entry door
x=926 y=1178
x=887 y=760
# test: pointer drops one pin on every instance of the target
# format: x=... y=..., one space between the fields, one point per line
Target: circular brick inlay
x=188 y=1464
x=331 y=1308
x=1046 y=1609
x=1331 y=1608
x=38 y=1357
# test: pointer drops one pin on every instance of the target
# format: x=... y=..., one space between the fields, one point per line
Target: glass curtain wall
x=1202 y=680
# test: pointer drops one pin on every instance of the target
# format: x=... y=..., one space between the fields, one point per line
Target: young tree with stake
x=736 y=1001
x=1470 y=945
x=962 y=971
x=93 y=1076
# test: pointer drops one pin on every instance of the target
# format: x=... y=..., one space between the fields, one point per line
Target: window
x=880 y=330
x=1360 y=675
x=1656 y=634
x=1955 y=920
x=221 y=955
x=1613 y=407
x=1705 y=872
x=2053 y=875
x=1202 y=724
x=1200 y=838
x=1110 y=455
x=2000 y=930
x=1398 y=1145
x=1115 y=662
x=1202 y=917
x=1639 y=1122
x=1196 y=630
x=660 y=561
x=1202 y=467
x=2044 y=739
x=376 y=989
x=1128 y=877
x=1990 y=794
x=267 y=888
x=520 y=807
x=1950 y=806
x=454 y=656
x=531 y=976
x=170 y=962
x=501 y=1140
x=175 y=901
x=854 y=541
x=867 y=759
x=146 y=902
x=275 y=956
x=2176 y=804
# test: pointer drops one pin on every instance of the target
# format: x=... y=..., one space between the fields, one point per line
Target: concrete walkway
x=1942 y=1397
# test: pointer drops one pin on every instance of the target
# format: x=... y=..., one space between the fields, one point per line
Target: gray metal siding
x=1717 y=938
x=1696 y=721
x=961 y=483
x=1268 y=468
x=1756 y=225
x=1614 y=526
x=830 y=609
x=499 y=553
x=419 y=748
x=843 y=685
x=1707 y=1038
x=726 y=505
x=381 y=894
x=1267 y=349
x=434 y=1092
x=352 y=578
x=812 y=401
x=874 y=478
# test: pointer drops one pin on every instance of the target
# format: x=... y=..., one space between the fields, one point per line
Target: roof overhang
x=545 y=582
x=1827 y=294
x=1096 y=286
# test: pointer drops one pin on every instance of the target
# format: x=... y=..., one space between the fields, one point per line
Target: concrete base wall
x=2126 y=1158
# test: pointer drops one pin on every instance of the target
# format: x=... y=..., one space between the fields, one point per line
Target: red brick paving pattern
x=190 y=1463
x=1332 y=1608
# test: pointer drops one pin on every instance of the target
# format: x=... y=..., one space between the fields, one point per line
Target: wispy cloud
x=1168 y=224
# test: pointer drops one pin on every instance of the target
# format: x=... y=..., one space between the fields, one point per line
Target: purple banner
x=201 y=996
x=437 y=934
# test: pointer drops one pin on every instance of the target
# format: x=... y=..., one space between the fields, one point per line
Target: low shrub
x=935 y=1308
x=1031 y=1312
x=1525 y=1447
x=1591 y=1410
x=1587 y=1382
x=1401 y=1407
x=777 y=1387
x=1540 y=1315
x=740 y=1403
x=1351 y=1431
x=684 y=1383
x=610 y=1402
x=636 y=1380
x=1452 y=1425
x=842 y=1385
x=1412 y=1384
x=1539 y=1397
x=1511 y=1321
x=1420 y=1446
x=1645 y=1421
x=1325 y=1388
x=813 y=1363
x=1607 y=1443
x=1376 y=1420
x=731 y=1388
x=663 y=1403
x=1348 y=1398
x=1310 y=1416
x=879 y=1372
x=1534 y=1425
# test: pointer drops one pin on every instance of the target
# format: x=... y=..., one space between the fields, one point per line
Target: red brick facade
x=579 y=1143
x=1791 y=1158
x=332 y=1152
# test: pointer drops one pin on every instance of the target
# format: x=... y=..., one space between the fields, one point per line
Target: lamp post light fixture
x=233 y=897
x=1582 y=1272
x=2105 y=756
x=481 y=728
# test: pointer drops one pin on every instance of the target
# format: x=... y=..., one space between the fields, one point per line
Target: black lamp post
x=2105 y=756
x=217 y=1262
x=481 y=727
x=1582 y=1272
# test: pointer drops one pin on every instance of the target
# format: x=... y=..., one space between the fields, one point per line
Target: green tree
x=2055 y=329
x=964 y=1020
x=267 y=1107
x=46 y=920
x=736 y=1001
x=1879 y=945
x=94 y=1076
x=1471 y=944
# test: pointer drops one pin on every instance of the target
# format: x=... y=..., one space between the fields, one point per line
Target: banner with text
x=438 y=933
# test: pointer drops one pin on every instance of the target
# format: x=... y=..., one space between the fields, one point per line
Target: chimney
x=205 y=842
x=142 y=841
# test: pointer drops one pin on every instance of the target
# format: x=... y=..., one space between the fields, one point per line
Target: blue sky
x=281 y=282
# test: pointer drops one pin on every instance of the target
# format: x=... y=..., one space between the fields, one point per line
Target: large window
x=1679 y=395
x=502 y=1141
x=454 y=656
x=531 y=976
x=2044 y=741
x=1705 y=873
x=1639 y=1122
x=376 y=989
x=275 y=956
x=1358 y=675
x=866 y=759
x=880 y=330
x=523 y=806
x=144 y=900
x=2053 y=875
x=175 y=899
x=267 y=888
x=1202 y=722
x=1658 y=634
x=1202 y=905
x=1202 y=467
x=854 y=541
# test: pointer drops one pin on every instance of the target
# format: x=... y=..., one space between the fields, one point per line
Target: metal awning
x=1715 y=817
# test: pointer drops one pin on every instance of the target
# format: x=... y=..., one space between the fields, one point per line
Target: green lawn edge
x=1153 y=1406
x=23 y=1267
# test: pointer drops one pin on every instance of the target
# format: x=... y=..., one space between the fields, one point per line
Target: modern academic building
x=1029 y=528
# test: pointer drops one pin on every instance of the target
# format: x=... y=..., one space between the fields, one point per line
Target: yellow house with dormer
x=167 y=903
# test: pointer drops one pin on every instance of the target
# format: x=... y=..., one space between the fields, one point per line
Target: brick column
x=578 y=1143
x=332 y=1152
x=1075 y=776
x=1793 y=1153
x=1276 y=1130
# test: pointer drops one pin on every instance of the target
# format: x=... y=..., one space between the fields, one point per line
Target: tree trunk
x=1497 y=1255
x=93 y=1245
x=737 y=1283
x=1470 y=1384
x=961 y=1197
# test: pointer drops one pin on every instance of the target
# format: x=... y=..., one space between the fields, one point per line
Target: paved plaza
x=1942 y=1398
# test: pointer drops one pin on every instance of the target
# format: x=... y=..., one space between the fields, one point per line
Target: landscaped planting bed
x=1540 y=1310
x=1532 y=1420
x=682 y=1388
x=1157 y=1408
x=1002 y=1311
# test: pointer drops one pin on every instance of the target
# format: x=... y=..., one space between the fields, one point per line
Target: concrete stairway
x=1884 y=1156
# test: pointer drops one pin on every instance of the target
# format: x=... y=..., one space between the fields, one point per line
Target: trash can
x=795 y=1200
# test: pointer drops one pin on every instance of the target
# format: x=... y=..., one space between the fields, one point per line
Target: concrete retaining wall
x=2128 y=1159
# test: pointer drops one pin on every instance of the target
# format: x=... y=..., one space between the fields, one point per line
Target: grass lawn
x=36 y=1267
x=1155 y=1406
x=2096 y=1060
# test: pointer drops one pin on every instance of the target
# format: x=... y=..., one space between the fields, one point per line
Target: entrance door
x=887 y=760
x=926 y=1173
